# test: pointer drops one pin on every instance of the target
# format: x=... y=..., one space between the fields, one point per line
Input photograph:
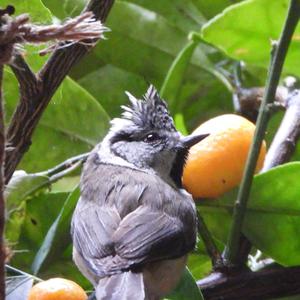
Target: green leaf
x=213 y=212
x=21 y=186
x=244 y=31
x=58 y=236
x=108 y=85
x=74 y=112
x=173 y=20
x=290 y=298
x=66 y=268
x=184 y=15
x=274 y=228
x=155 y=42
x=199 y=265
x=186 y=289
x=154 y=35
x=65 y=8
x=180 y=123
x=66 y=184
x=173 y=81
x=14 y=224
x=273 y=216
x=41 y=212
x=72 y=124
x=69 y=106
x=37 y=11
x=55 y=147
x=211 y=8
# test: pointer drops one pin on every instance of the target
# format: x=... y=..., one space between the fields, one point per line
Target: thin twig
x=54 y=174
x=65 y=164
x=231 y=250
x=285 y=140
x=248 y=100
x=210 y=246
x=54 y=178
x=62 y=170
x=65 y=172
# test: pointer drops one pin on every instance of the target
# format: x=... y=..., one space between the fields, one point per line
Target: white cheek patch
x=106 y=155
x=118 y=124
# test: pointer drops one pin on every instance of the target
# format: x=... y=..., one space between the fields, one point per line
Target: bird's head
x=145 y=137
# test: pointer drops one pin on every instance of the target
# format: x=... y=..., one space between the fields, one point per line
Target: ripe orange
x=216 y=164
x=57 y=289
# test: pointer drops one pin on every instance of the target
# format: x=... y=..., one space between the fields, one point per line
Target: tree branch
x=279 y=53
x=28 y=83
x=248 y=100
x=2 y=203
x=285 y=140
x=262 y=284
x=265 y=284
x=65 y=165
x=33 y=103
x=269 y=283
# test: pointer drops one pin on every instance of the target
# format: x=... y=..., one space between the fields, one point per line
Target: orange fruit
x=216 y=164
x=57 y=289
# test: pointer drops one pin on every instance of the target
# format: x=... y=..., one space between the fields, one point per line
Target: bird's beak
x=192 y=139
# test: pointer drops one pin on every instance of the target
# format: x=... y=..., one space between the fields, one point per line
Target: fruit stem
x=279 y=51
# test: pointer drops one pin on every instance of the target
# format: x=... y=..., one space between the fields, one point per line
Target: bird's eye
x=151 y=137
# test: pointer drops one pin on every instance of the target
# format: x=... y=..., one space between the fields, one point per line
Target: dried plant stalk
x=13 y=31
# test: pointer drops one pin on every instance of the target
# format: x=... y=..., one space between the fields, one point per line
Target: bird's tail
x=123 y=286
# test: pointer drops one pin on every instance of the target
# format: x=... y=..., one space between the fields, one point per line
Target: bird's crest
x=151 y=112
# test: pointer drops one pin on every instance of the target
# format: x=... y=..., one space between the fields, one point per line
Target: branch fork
x=75 y=36
x=16 y=31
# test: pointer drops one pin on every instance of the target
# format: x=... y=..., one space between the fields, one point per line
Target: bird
x=134 y=223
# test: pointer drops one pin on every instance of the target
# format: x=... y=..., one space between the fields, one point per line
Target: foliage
x=159 y=42
x=272 y=219
x=251 y=26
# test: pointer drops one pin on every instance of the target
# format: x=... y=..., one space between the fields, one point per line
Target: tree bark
x=37 y=91
x=2 y=203
x=262 y=285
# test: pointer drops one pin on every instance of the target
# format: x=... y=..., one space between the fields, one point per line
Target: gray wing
x=94 y=224
x=115 y=227
x=91 y=229
x=146 y=235
x=109 y=246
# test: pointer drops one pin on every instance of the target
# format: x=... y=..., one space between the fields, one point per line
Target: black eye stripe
x=151 y=137
x=122 y=136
